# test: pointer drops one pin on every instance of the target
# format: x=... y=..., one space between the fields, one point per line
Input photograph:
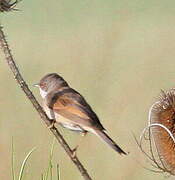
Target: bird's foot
x=74 y=151
x=83 y=134
x=53 y=121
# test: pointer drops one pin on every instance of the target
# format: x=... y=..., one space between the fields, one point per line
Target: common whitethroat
x=69 y=108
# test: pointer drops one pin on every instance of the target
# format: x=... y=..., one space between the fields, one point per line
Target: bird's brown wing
x=71 y=105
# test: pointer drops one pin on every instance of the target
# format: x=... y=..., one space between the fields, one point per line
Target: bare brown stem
x=18 y=77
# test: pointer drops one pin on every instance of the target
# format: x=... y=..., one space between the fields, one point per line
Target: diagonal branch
x=18 y=77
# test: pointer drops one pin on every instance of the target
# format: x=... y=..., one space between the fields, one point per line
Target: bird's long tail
x=102 y=134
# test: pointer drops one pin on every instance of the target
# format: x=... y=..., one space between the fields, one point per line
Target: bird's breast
x=66 y=123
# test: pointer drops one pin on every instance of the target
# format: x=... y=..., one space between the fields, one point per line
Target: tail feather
x=102 y=134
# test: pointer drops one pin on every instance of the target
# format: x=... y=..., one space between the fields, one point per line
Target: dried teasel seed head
x=8 y=5
x=162 y=116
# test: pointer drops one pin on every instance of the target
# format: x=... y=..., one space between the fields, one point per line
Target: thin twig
x=12 y=161
x=18 y=77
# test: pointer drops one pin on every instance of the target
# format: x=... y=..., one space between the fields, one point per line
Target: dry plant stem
x=18 y=77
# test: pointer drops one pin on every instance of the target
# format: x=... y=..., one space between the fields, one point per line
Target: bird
x=69 y=108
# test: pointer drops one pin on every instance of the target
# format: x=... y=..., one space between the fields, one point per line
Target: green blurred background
x=118 y=54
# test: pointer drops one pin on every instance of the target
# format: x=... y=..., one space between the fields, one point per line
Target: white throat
x=43 y=93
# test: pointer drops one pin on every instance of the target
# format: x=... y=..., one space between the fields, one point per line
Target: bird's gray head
x=51 y=82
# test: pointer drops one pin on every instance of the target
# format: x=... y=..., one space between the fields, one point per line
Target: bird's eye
x=42 y=85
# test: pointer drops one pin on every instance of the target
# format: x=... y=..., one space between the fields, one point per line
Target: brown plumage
x=63 y=101
x=71 y=105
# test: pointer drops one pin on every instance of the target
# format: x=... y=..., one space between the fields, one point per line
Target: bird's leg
x=74 y=151
x=52 y=118
x=53 y=121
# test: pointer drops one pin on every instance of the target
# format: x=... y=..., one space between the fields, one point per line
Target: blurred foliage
x=118 y=54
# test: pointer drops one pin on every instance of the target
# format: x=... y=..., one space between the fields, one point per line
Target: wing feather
x=74 y=107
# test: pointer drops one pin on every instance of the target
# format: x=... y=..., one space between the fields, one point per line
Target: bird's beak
x=36 y=85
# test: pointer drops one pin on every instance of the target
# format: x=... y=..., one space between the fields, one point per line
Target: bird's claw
x=53 y=121
x=74 y=151
x=83 y=134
